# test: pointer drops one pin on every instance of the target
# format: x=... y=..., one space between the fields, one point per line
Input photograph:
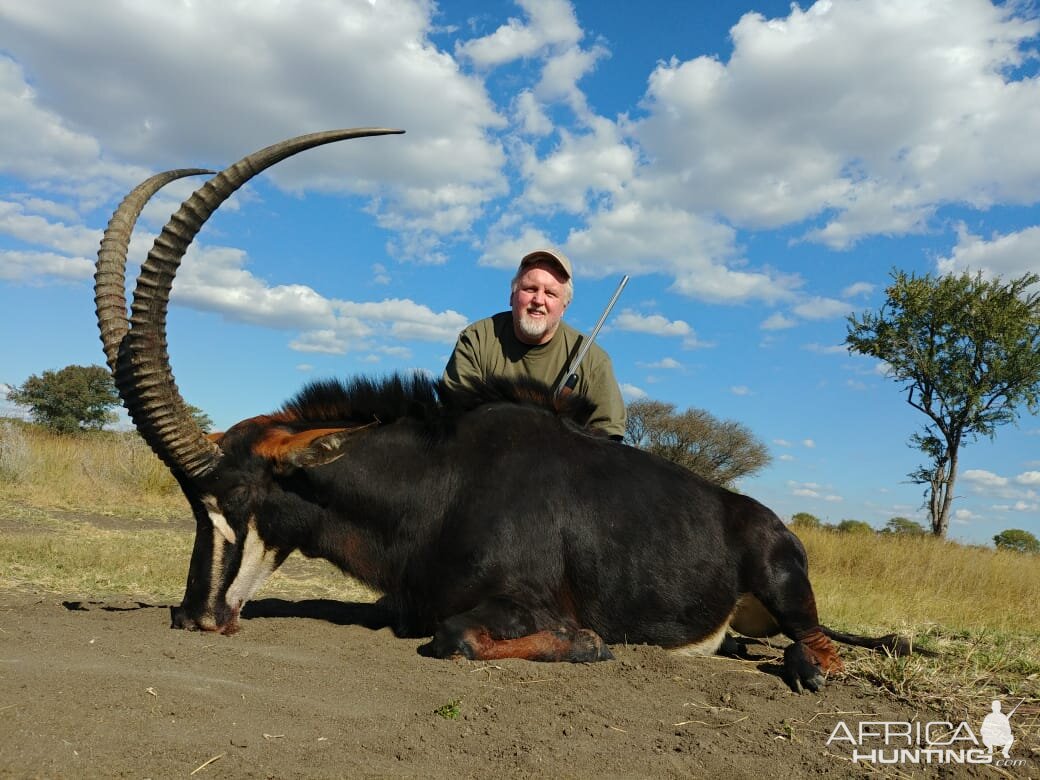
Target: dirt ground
x=311 y=689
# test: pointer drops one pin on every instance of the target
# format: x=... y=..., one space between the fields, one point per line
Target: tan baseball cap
x=553 y=256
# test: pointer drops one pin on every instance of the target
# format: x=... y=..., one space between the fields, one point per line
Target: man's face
x=538 y=303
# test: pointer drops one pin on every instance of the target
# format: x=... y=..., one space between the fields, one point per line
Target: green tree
x=721 y=451
x=203 y=420
x=71 y=399
x=903 y=525
x=966 y=351
x=805 y=520
x=854 y=527
x=1017 y=540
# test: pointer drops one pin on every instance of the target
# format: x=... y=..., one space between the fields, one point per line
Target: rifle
x=570 y=380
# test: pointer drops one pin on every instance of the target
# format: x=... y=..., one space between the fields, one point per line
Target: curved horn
x=110 y=278
x=152 y=398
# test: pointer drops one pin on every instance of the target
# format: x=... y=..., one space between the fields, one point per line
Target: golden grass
x=101 y=472
x=893 y=580
x=84 y=561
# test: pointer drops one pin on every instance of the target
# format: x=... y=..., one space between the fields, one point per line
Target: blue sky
x=757 y=168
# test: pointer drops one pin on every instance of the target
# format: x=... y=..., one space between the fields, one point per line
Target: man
x=532 y=340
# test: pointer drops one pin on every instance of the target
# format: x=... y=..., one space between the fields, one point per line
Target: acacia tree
x=70 y=399
x=721 y=451
x=1017 y=540
x=966 y=351
x=903 y=525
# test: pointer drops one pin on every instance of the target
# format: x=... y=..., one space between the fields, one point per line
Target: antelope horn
x=143 y=371
x=110 y=278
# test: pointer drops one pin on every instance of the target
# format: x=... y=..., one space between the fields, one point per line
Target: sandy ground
x=311 y=689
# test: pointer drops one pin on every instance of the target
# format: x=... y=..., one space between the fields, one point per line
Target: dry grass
x=975 y=607
x=103 y=472
x=918 y=581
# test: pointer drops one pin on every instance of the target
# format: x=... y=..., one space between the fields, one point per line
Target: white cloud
x=1028 y=478
x=651 y=324
x=741 y=390
x=964 y=515
x=549 y=23
x=777 y=321
x=822 y=309
x=813 y=490
x=984 y=479
x=827 y=349
x=782 y=443
x=630 y=237
x=1006 y=256
x=438 y=181
x=23 y=266
x=899 y=109
x=216 y=279
x=40 y=231
x=665 y=363
x=857 y=290
x=632 y=393
x=325 y=341
x=581 y=166
x=531 y=115
x=808 y=443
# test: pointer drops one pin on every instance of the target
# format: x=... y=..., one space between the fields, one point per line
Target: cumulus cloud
x=548 y=23
x=900 y=109
x=813 y=490
x=665 y=363
x=217 y=279
x=822 y=309
x=1010 y=255
x=439 y=180
x=632 y=393
x=652 y=324
x=827 y=349
x=778 y=321
x=858 y=290
x=983 y=478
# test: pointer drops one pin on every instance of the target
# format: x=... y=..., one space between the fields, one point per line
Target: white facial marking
x=216 y=568
x=220 y=522
x=257 y=564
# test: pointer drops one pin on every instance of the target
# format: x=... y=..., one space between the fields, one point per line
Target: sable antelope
x=497 y=524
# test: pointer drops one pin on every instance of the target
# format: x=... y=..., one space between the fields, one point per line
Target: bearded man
x=532 y=340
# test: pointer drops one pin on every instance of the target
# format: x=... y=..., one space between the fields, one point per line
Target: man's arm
x=603 y=391
x=463 y=371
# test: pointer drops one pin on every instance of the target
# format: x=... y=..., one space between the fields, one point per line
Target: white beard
x=533 y=328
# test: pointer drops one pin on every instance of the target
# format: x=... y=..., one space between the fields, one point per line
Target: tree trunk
x=942 y=494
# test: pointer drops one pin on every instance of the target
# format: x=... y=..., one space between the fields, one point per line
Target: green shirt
x=489 y=348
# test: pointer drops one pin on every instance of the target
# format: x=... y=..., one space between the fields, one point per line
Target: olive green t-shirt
x=489 y=348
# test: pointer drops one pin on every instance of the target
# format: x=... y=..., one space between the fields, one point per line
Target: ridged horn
x=110 y=276
x=143 y=367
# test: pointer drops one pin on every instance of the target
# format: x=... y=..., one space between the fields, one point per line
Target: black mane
x=418 y=396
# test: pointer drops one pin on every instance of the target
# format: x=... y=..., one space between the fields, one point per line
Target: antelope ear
x=303 y=449
x=319 y=451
